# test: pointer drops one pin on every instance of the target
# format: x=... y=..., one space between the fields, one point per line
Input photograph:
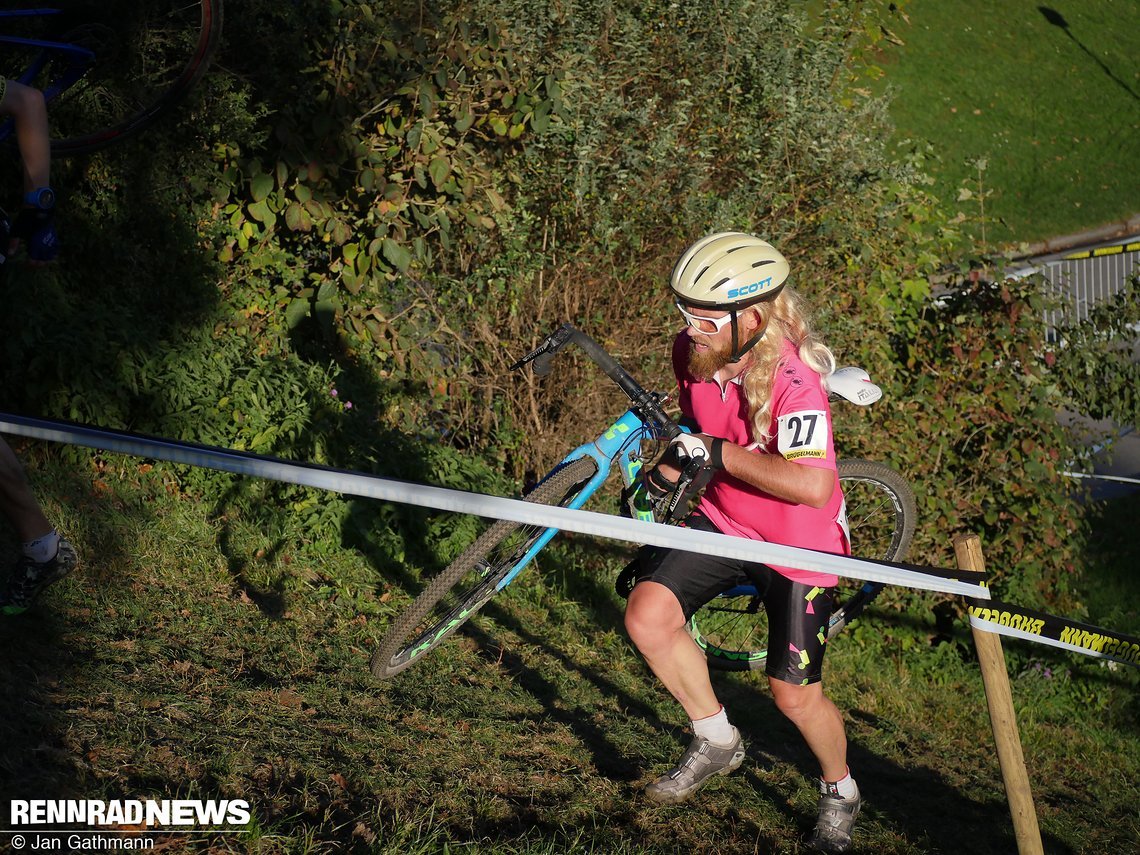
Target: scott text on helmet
x=748 y=289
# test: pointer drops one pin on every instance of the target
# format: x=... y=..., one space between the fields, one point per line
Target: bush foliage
x=394 y=201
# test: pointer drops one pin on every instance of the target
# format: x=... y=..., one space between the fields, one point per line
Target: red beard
x=705 y=364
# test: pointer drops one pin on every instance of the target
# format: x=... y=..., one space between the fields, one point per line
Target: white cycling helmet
x=729 y=270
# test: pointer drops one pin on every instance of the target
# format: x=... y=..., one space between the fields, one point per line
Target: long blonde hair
x=787 y=319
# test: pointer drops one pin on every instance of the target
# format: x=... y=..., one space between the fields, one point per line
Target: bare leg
x=17 y=502
x=656 y=625
x=818 y=720
x=27 y=108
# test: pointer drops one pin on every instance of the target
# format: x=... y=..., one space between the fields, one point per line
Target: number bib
x=802 y=434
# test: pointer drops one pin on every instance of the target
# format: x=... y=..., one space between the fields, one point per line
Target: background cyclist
x=46 y=557
x=34 y=225
x=750 y=373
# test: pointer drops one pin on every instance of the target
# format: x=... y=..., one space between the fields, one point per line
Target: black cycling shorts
x=797 y=613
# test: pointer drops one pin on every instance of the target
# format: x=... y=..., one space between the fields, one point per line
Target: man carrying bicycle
x=751 y=374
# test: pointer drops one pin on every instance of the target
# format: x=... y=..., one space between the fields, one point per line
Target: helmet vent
x=762 y=263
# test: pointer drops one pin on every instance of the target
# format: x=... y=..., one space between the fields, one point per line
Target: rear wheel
x=881 y=514
x=147 y=55
x=881 y=510
x=469 y=582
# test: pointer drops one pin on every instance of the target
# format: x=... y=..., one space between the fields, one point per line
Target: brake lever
x=689 y=474
x=693 y=467
x=542 y=354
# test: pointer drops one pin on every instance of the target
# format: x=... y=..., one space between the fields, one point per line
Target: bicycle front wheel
x=881 y=515
x=469 y=582
x=148 y=54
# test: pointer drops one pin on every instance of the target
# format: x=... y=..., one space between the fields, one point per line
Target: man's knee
x=21 y=100
x=653 y=615
x=796 y=702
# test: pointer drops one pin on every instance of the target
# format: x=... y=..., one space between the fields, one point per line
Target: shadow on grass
x=1113 y=556
x=45 y=656
x=913 y=800
x=37 y=762
x=1058 y=20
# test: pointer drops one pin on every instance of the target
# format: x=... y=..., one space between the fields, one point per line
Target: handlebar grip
x=542 y=364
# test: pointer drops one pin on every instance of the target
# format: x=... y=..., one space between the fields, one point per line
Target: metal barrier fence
x=1080 y=280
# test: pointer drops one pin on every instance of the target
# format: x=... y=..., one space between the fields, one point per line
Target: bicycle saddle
x=853 y=384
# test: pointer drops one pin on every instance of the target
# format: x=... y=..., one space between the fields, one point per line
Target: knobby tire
x=408 y=640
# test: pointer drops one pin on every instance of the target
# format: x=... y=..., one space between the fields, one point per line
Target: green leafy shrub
x=397 y=202
x=1095 y=361
x=986 y=451
x=479 y=173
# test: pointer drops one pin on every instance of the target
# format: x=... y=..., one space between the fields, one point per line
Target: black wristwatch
x=42 y=198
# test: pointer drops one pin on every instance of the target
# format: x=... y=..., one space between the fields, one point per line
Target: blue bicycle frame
x=622 y=442
x=728 y=630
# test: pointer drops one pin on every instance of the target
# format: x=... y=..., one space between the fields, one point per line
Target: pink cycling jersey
x=801 y=431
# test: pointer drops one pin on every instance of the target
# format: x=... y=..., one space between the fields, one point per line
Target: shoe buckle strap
x=689 y=761
x=837 y=817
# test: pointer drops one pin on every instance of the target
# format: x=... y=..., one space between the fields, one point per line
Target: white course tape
x=1119 y=478
x=387 y=489
x=1014 y=632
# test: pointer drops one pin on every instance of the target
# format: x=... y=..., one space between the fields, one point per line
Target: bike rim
x=732 y=631
x=874 y=516
x=481 y=582
x=477 y=588
x=149 y=54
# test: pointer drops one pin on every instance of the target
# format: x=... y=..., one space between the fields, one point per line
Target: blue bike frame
x=622 y=442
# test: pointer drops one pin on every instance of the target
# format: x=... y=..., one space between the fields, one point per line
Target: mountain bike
x=107 y=68
x=731 y=629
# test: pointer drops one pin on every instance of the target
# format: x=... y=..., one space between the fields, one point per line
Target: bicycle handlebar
x=648 y=403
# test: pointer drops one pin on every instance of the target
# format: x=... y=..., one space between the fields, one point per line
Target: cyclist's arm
x=784 y=479
x=799 y=465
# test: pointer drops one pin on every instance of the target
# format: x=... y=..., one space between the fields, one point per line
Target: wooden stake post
x=968 y=550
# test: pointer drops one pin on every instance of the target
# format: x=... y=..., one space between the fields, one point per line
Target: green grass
x=1053 y=111
x=191 y=658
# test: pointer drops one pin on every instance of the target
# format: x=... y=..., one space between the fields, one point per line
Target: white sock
x=844 y=788
x=42 y=548
x=715 y=728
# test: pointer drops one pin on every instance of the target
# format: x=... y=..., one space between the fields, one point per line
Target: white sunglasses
x=705 y=326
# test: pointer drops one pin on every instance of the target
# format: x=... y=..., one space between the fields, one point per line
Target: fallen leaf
x=289 y=698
